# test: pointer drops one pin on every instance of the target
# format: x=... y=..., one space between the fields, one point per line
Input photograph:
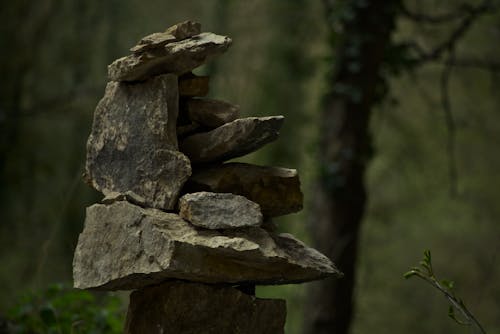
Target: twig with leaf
x=426 y=273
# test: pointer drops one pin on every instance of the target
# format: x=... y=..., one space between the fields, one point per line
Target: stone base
x=192 y=308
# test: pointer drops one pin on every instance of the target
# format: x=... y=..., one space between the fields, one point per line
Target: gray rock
x=219 y=211
x=211 y=113
x=275 y=189
x=176 y=57
x=125 y=247
x=232 y=140
x=133 y=143
x=175 y=33
x=192 y=308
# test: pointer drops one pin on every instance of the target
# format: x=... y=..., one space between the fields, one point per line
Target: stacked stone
x=190 y=233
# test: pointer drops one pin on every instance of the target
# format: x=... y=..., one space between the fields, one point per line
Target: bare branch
x=450 y=124
x=461 y=11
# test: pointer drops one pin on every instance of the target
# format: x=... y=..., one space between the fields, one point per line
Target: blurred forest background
x=432 y=183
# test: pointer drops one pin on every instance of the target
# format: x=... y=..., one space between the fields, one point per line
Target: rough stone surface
x=129 y=196
x=176 y=57
x=175 y=33
x=275 y=189
x=232 y=140
x=192 y=308
x=211 y=113
x=191 y=85
x=219 y=210
x=124 y=246
x=133 y=143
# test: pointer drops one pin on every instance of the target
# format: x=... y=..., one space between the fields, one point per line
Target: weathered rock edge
x=232 y=140
x=176 y=57
x=183 y=307
x=124 y=247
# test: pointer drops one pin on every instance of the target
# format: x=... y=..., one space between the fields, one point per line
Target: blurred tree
x=364 y=30
x=365 y=58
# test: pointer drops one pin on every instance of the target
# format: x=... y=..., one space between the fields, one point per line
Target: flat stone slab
x=211 y=113
x=275 y=189
x=174 y=33
x=192 y=308
x=219 y=210
x=133 y=143
x=125 y=247
x=176 y=57
x=232 y=140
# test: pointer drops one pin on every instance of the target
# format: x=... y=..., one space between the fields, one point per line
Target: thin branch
x=461 y=11
x=472 y=13
x=450 y=124
x=481 y=64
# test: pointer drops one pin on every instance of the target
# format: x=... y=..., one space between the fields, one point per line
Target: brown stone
x=211 y=113
x=176 y=57
x=133 y=143
x=192 y=308
x=275 y=189
x=184 y=29
x=124 y=247
x=232 y=140
x=191 y=85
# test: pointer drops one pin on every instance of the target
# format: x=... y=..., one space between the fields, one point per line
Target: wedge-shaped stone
x=211 y=113
x=275 y=189
x=125 y=247
x=175 y=33
x=219 y=210
x=133 y=143
x=232 y=140
x=176 y=57
x=182 y=307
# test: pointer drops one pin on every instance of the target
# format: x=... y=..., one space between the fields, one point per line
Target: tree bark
x=345 y=149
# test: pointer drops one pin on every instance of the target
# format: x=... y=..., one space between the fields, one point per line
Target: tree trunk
x=345 y=149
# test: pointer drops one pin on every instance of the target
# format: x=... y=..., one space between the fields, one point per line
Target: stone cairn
x=191 y=235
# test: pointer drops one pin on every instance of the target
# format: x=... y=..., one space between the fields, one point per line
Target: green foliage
x=61 y=310
x=426 y=273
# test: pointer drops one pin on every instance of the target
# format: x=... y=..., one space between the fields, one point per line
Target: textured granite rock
x=211 y=113
x=232 y=140
x=219 y=210
x=124 y=246
x=192 y=308
x=275 y=189
x=175 y=57
x=191 y=85
x=133 y=143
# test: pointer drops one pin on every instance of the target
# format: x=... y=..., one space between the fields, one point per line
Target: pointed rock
x=182 y=307
x=275 y=189
x=232 y=140
x=133 y=143
x=125 y=247
x=219 y=211
x=176 y=57
x=211 y=113
x=175 y=33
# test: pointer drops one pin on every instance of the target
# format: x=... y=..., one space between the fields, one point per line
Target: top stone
x=164 y=55
x=175 y=33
